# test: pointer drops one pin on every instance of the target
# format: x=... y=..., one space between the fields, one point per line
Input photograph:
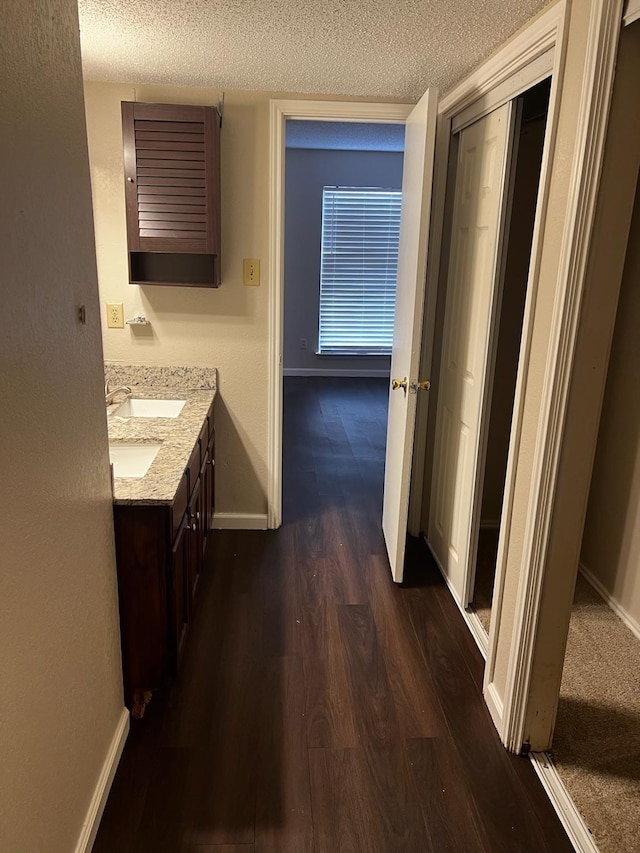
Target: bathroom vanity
x=162 y=515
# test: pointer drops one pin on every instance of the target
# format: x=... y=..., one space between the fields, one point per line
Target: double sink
x=131 y=459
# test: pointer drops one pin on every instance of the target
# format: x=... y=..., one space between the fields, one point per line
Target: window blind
x=358 y=270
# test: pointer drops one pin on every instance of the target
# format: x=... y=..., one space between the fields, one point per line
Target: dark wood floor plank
x=345 y=815
x=329 y=712
x=414 y=694
x=448 y=805
x=168 y=803
x=221 y=848
x=319 y=706
x=510 y=822
x=228 y=775
x=382 y=747
x=283 y=798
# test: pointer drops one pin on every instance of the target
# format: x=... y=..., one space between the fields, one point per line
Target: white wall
x=307 y=171
x=60 y=681
x=611 y=544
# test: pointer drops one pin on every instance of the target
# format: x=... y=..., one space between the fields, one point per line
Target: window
x=358 y=270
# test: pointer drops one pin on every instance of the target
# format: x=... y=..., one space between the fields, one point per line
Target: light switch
x=251 y=270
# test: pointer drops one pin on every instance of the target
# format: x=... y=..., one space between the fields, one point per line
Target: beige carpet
x=485 y=574
x=596 y=745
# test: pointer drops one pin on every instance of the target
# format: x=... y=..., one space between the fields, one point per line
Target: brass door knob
x=424 y=385
x=399 y=383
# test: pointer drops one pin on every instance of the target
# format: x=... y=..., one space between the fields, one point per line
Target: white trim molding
x=105 y=780
x=240 y=521
x=279 y=112
x=631 y=12
x=621 y=612
x=566 y=809
x=476 y=95
x=604 y=30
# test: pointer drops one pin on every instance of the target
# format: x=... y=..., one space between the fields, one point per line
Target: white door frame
x=549 y=31
x=280 y=111
x=537 y=53
x=597 y=88
x=532 y=56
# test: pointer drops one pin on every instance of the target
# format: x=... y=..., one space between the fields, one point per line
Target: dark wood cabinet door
x=172 y=177
x=211 y=483
x=196 y=536
x=208 y=487
x=179 y=604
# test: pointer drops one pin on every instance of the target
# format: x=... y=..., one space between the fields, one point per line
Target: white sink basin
x=136 y=408
x=132 y=460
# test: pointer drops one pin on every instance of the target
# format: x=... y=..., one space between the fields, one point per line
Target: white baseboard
x=101 y=792
x=495 y=706
x=330 y=371
x=613 y=603
x=566 y=809
x=240 y=521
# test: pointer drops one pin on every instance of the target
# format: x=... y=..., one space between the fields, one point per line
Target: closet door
x=472 y=285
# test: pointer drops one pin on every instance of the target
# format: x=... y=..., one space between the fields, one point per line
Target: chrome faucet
x=109 y=395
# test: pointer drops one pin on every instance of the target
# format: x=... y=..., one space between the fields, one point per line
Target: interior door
x=472 y=284
x=412 y=262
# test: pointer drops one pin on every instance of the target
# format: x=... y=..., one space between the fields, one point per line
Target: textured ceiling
x=382 y=48
x=345 y=135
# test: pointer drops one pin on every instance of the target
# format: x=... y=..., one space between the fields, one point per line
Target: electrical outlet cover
x=115 y=315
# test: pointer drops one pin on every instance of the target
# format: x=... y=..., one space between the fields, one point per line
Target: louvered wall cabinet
x=172 y=190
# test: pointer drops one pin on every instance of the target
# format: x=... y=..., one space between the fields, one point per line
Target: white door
x=412 y=263
x=478 y=219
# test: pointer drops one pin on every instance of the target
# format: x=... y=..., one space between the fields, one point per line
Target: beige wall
x=224 y=328
x=61 y=686
x=611 y=544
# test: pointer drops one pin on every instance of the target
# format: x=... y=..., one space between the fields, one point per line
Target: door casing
x=536 y=53
x=280 y=111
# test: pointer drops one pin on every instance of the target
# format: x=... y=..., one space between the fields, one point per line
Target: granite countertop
x=178 y=436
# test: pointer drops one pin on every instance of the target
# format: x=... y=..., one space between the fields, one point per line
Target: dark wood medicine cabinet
x=172 y=192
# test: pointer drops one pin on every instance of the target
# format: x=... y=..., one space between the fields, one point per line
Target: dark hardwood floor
x=320 y=707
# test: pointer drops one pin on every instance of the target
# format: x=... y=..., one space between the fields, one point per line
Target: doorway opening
x=518 y=237
x=342 y=190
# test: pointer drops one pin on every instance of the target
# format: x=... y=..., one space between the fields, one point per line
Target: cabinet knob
x=130 y=180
